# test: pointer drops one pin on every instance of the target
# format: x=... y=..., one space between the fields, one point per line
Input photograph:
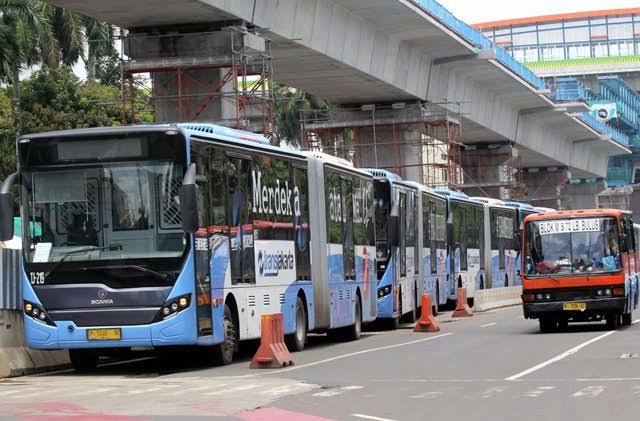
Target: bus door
x=128 y=193
x=402 y=247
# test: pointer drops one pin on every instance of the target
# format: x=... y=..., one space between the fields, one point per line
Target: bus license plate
x=104 y=334
x=574 y=306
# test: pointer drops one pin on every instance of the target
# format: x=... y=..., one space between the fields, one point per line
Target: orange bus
x=579 y=266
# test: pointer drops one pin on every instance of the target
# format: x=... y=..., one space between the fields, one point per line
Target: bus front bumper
x=533 y=310
x=177 y=330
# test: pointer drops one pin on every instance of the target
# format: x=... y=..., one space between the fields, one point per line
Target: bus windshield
x=111 y=211
x=572 y=246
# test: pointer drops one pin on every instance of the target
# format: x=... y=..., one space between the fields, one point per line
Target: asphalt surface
x=495 y=365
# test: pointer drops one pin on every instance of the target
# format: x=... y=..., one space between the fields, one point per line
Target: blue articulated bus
x=165 y=235
x=466 y=250
x=432 y=233
x=503 y=247
x=397 y=213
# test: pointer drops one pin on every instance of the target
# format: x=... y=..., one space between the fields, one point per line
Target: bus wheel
x=223 y=352
x=297 y=340
x=352 y=333
x=612 y=321
x=83 y=360
x=547 y=324
x=627 y=318
x=436 y=306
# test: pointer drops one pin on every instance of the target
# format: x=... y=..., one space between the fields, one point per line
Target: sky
x=477 y=11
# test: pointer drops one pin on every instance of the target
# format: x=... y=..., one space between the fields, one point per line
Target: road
x=495 y=365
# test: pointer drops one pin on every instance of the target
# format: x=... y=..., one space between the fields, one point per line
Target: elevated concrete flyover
x=382 y=51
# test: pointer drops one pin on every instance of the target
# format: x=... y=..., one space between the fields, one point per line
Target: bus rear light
x=37 y=313
x=618 y=292
x=527 y=297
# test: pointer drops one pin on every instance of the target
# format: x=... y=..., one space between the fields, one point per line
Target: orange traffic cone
x=462 y=308
x=273 y=352
x=426 y=323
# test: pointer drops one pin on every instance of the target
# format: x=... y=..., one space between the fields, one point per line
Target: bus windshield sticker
x=569 y=226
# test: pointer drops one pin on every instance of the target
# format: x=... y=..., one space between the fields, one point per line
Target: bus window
x=416 y=248
x=459 y=232
x=403 y=233
x=370 y=222
x=240 y=222
x=551 y=250
x=473 y=228
x=217 y=214
x=410 y=229
x=348 y=251
x=382 y=197
x=302 y=231
x=479 y=213
x=333 y=190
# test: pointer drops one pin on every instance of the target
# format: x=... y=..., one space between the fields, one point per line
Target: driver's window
x=130 y=198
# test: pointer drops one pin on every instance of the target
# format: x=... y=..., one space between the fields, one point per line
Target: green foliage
x=7 y=137
x=291 y=107
x=55 y=99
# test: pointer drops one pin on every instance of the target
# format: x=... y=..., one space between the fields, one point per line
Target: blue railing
x=614 y=89
x=605 y=129
x=476 y=38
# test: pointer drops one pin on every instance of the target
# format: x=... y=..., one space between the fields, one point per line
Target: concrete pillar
x=583 y=196
x=546 y=187
x=488 y=172
x=192 y=72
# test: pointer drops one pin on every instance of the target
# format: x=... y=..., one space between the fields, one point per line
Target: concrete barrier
x=15 y=358
x=489 y=299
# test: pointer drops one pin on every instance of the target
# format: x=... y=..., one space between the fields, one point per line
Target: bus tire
x=83 y=360
x=223 y=352
x=547 y=324
x=297 y=340
x=627 y=318
x=612 y=321
x=436 y=306
x=353 y=332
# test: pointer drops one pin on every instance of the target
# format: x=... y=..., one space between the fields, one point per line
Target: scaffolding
x=493 y=170
x=224 y=76
x=418 y=142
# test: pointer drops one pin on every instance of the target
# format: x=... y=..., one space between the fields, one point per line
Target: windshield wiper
x=86 y=249
x=154 y=273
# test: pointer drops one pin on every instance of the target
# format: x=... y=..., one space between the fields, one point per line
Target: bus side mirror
x=6 y=216
x=6 y=208
x=188 y=195
x=394 y=231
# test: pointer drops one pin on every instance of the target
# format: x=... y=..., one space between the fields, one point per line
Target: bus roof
x=581 y=213
x=452 y=194
x=519 y=205
x=383 y=174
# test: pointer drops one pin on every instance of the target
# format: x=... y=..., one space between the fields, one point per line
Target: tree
x=293 y=105
x=26 y=39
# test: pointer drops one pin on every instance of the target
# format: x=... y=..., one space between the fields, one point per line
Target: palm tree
x=26 y=39
x=291 y=107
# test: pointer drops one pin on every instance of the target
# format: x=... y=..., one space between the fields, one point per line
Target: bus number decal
x=36 y=278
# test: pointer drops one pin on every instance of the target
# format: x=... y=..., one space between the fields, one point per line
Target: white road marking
x=9 y=392
x=589 y=392
x=347 y=388
x=559 y=357
x=635 y=322
x=336 y=392
x=489 y=324
x=351 y=354
x=636 y=390
x=371 y=417
x=328 y=393
x=493 y=391
x=428 y=395
x=538 y=391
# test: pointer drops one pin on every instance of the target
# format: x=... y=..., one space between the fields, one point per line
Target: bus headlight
x=172 y=307
x=384 y=291
x=607 y=291
x=37 y=313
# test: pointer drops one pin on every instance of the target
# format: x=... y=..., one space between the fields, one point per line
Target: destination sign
x=569 y=226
